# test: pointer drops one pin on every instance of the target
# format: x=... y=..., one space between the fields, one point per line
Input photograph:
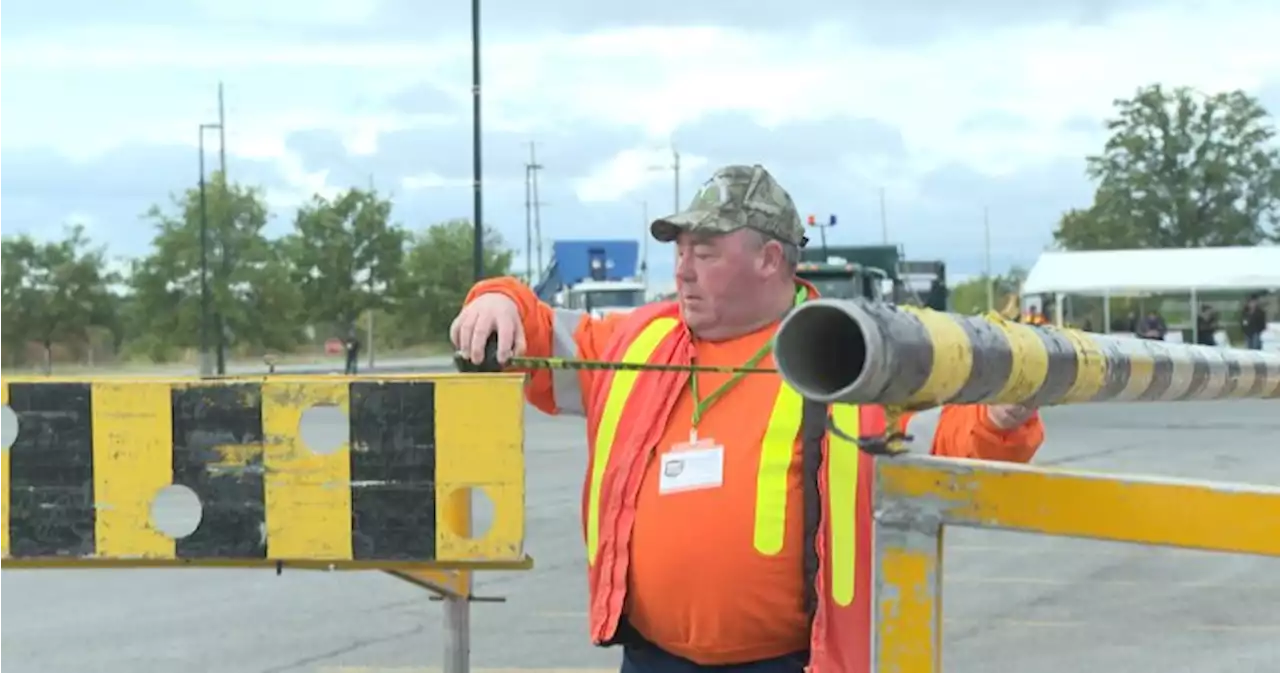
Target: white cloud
x=659 y=78
x=84 y=91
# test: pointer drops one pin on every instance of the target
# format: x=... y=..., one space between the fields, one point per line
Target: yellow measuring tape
x=491 y=365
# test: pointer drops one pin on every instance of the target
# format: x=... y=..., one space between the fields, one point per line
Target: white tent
x=1127 y=272
x=1118 y=273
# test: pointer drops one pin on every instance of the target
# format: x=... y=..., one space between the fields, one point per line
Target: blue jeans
x=1253 y=341
x=650 y=659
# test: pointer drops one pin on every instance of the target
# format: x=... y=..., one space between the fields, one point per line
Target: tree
x=54 y=292
x=970 y=297
x=1181 y=169
x=438 y=275
x=252 y=301
x=345 y=256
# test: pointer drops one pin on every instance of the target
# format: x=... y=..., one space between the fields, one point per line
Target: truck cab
x=837 y=278
x=601 y=297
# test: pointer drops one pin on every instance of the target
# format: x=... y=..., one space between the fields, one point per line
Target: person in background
x=1207 y=326
x=352 y=346
x=1253 y=322
x=1152 y=326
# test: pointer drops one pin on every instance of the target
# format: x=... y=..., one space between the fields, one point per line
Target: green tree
x=438 y=275
x=970 y=297
x=54 y=292
x=345 y=256
x=1181 y=169
x=252 y=301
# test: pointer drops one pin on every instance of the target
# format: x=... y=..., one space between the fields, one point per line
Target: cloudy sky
x=945 y=106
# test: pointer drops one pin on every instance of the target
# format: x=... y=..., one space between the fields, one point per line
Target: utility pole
x=645 y=235
x=477 y=208
x=675 y=170
x=884 y=220
x=674 y=167
x=991 y=282
x=528 y=222
x=533 y=215
x=206 y=361
x=219 y=326
x=372 y=289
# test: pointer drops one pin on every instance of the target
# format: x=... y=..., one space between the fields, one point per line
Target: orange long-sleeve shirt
x=697 y=586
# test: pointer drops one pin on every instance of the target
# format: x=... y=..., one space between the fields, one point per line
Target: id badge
x=695 y=466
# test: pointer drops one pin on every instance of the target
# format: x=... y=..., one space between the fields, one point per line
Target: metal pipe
x=857 y=352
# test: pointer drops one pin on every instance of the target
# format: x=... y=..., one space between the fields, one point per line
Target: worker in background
x=1253 y=322
x=1207 y=326
x=351 y=345
x=702 y=523
x=1035 y=317
x=1152 y=326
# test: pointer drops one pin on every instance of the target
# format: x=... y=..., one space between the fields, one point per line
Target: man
x=705 y=546
x=352 y=346
x=1253 y=322
x=1152 y=327
x=1207 y=326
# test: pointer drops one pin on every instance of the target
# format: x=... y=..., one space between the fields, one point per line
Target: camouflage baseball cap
x=737 y=197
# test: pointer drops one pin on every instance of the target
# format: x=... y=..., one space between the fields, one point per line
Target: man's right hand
x=486 y=315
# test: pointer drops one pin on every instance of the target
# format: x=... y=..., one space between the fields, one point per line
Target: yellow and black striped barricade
x=857 y=352
x=853 y=352
x=917 y=497
x=342 y=473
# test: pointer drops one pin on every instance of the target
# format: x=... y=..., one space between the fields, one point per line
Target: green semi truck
x=876 y=272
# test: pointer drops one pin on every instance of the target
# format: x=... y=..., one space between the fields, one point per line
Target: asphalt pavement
x=1014 y=602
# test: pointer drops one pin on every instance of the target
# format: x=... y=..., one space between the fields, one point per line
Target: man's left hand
x=1009 y=416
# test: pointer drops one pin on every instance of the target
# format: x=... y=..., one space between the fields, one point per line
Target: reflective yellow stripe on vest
x=842 y=493
x=776 y=455
x=640 y=350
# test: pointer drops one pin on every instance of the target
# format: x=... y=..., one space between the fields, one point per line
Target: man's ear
x=772 y=257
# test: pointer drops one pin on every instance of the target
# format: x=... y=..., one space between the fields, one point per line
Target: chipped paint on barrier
x=92 y=460
x=1144 y=510
x=908 y=600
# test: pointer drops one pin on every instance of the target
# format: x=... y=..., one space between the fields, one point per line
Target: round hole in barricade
x=323 y=428
x=176 y=511
x=482 y=511
x=8 y=427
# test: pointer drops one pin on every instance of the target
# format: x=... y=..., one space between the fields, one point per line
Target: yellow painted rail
x=916 y=498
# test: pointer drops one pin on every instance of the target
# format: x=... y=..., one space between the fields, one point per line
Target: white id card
x=692 y=467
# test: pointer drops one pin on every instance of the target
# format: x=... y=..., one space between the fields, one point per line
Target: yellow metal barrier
x=917 y=497
x=325 y=472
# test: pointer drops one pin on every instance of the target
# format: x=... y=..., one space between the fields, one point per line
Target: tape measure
x=892 y=444
x=491 y=365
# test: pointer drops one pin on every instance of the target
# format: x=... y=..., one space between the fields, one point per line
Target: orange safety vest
x=629 y=413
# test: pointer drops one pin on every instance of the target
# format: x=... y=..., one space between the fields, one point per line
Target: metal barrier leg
x=457 y=608
x=908 y=589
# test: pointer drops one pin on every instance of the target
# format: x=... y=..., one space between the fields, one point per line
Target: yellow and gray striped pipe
x=857 y=352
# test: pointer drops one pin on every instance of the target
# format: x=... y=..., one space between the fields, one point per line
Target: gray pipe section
x=858 y=352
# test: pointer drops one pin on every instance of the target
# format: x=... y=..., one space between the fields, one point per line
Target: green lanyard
x=700 y=407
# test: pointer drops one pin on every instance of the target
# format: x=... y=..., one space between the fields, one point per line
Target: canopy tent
x=1124 y=272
